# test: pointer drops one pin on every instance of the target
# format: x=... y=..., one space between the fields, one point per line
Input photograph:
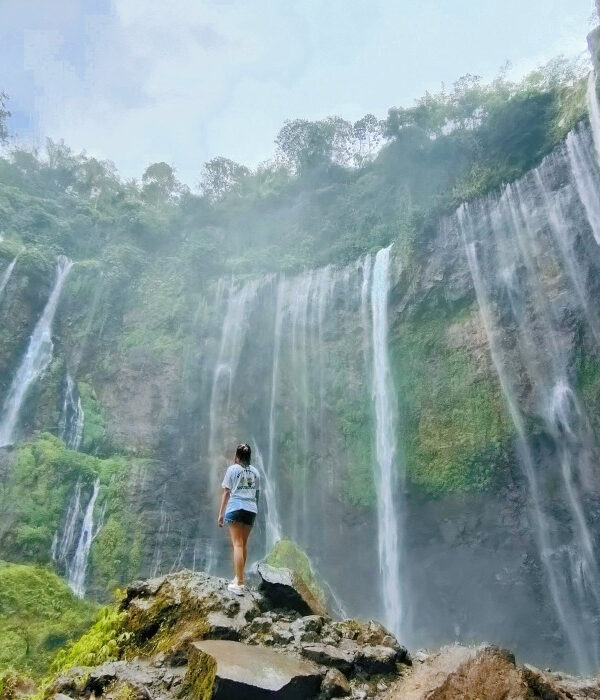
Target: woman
x=238 y=509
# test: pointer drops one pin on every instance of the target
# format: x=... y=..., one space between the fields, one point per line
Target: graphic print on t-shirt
x=243 y=484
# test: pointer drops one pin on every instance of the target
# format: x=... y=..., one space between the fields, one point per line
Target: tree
x=221 y=175
x=305 y=146
x=368 y=134
x=159 y=183
x=4 y=115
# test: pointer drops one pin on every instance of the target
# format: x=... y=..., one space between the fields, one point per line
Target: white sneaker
x=234 y=587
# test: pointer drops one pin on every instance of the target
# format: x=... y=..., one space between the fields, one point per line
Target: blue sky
x=138 y=81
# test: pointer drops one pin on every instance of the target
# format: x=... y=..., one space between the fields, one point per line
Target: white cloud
x=190 y=79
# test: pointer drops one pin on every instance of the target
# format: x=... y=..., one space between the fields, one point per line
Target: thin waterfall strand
x=37 y=358
x=386 y=474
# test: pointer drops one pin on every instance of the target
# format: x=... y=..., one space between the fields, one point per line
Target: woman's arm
x=224 y=501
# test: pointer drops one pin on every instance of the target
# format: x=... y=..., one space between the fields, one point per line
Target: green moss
x=94 y=427
x=38 y=613
x=287 y=555
x=453 y=421
x=587 y=378
x=200 y=676
x=106 y=640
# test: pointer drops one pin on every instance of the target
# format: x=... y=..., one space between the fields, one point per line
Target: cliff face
x=459 y=374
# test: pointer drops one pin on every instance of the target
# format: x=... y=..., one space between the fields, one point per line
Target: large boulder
x=470 y=673
x=224 y=670
x=286 y=554
x=285 y=588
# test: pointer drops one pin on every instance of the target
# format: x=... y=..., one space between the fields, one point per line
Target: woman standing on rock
x=238 y=509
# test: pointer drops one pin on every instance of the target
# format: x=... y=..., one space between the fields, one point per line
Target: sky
x=141 y=81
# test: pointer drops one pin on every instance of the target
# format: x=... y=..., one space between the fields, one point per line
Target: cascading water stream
x=233 y=334
x=584 y=165
x=37 y=358
x=514 y=229
x=70 y=425
x=273 y=524
x=62 y=549
x=78 y=568
x=594 y=110
x=7 y=275
x=386 y=474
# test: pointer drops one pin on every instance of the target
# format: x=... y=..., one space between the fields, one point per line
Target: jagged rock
x=335 y=685
x=328 y=655
x=286 y=554
x=60 y=696
x=220 y=626
x=373 y=660
x=457 y=673
x=286 y=589
x=222 y=670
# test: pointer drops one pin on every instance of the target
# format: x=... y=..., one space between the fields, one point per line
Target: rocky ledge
x=186 y=636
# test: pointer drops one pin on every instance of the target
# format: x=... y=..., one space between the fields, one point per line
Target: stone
x=328 y=655
x=60 y=696
x=373 y=660
x=456 y=673
x=282 y=633
x=286 y=589
x=335 y=685
x=223 y=670
x=221 y=626
x=286 y=554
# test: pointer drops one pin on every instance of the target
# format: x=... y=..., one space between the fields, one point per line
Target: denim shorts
x=240 y=516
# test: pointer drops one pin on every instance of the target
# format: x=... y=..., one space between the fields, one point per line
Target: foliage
x=35 y=497
x=104 y=641
x=221 y=175
x=453 y=422
x=4 y=115
x=38 y=614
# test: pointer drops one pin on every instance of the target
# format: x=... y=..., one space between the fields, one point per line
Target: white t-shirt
x=243 y=482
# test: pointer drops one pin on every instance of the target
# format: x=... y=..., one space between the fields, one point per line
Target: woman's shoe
x=234 y=587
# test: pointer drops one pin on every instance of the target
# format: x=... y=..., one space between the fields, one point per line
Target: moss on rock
x=285 y=554
x=453 y=420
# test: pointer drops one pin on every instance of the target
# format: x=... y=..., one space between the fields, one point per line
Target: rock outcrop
x=485 y=672
x=186 y=635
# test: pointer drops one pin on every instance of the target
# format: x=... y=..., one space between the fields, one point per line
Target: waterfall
x=7 y=274
x=584 y=165
x=70 y=425
x=78 y=568
x=594 y=110
x=273 y=529
x=233 y=334
x=273 y=525
x=386 y=474
x=37 y=358
x=61 y=550
x=519 y=251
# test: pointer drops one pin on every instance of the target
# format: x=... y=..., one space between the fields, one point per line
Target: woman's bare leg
x=236 y=531
x=246 y=535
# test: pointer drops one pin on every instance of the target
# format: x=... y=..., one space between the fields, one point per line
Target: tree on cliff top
x=4 y=114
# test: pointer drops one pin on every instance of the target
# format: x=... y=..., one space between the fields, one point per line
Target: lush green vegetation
x=35 y=498
x=38 y=615
x=334 y=190
x=455 y=428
